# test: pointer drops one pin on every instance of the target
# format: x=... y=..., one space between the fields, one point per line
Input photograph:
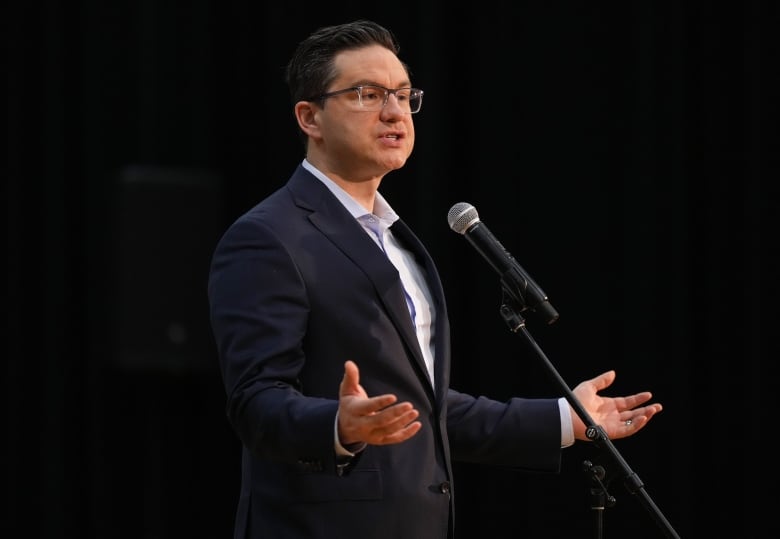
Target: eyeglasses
x=374 y=98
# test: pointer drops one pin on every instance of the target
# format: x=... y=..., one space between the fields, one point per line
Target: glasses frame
x=359 y=90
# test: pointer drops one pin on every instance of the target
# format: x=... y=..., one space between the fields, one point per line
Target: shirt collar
x=382 y=208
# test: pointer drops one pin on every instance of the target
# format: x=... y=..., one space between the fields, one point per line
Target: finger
x=628 y=427
x=374 y=405
x=400 y=435
x=603 y=380
x=650 y=410
x=637 y=420
x=635 y=423
x=633 y=401
x=390 y=420
x=632 y=417
x=397 y=416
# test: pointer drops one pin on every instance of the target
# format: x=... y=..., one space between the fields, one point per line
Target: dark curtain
x=626 y=154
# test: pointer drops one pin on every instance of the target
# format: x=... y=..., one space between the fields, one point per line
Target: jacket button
x=445 y=487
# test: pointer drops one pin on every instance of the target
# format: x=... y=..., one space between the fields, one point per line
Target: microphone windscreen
x=462 y=216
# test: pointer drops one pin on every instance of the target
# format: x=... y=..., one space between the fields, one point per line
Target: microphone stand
x=512 y=305
x=600 y=498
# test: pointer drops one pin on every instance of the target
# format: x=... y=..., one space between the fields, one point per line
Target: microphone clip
x=510 y=311
x=516 y=286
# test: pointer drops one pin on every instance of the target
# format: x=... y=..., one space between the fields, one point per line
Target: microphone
x=464 y=219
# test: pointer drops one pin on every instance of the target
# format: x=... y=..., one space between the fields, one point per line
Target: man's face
x=360 y=144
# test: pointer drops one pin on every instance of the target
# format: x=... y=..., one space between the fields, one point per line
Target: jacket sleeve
x=520 y=433
x=259 y=310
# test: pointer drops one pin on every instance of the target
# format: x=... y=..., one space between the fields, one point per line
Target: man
x=333 y=334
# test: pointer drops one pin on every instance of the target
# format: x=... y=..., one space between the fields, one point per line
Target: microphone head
x=462 y=216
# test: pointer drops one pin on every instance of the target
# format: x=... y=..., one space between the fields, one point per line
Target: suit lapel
x=441 y=328
x=335 y=222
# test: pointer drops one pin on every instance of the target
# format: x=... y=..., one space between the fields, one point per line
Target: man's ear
x=306 y=116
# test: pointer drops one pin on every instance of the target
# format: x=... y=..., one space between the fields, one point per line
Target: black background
x=625 y=153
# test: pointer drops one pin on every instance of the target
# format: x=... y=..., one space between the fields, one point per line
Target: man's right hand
x=372 y=420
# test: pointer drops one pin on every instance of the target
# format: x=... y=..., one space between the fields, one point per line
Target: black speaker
x=168 y=221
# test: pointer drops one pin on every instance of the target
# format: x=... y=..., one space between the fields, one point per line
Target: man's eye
x=370 y=95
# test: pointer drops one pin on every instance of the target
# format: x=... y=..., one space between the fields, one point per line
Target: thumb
x=350 y=384
x=603 y=380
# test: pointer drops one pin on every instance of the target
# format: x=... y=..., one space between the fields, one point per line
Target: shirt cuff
x=567 y=428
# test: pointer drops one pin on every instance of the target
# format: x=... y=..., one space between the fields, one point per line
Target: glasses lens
x=415 y=100
x=409 y=99
x=374 y=98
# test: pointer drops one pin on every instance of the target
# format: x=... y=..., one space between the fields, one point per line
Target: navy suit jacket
x=296 y=288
